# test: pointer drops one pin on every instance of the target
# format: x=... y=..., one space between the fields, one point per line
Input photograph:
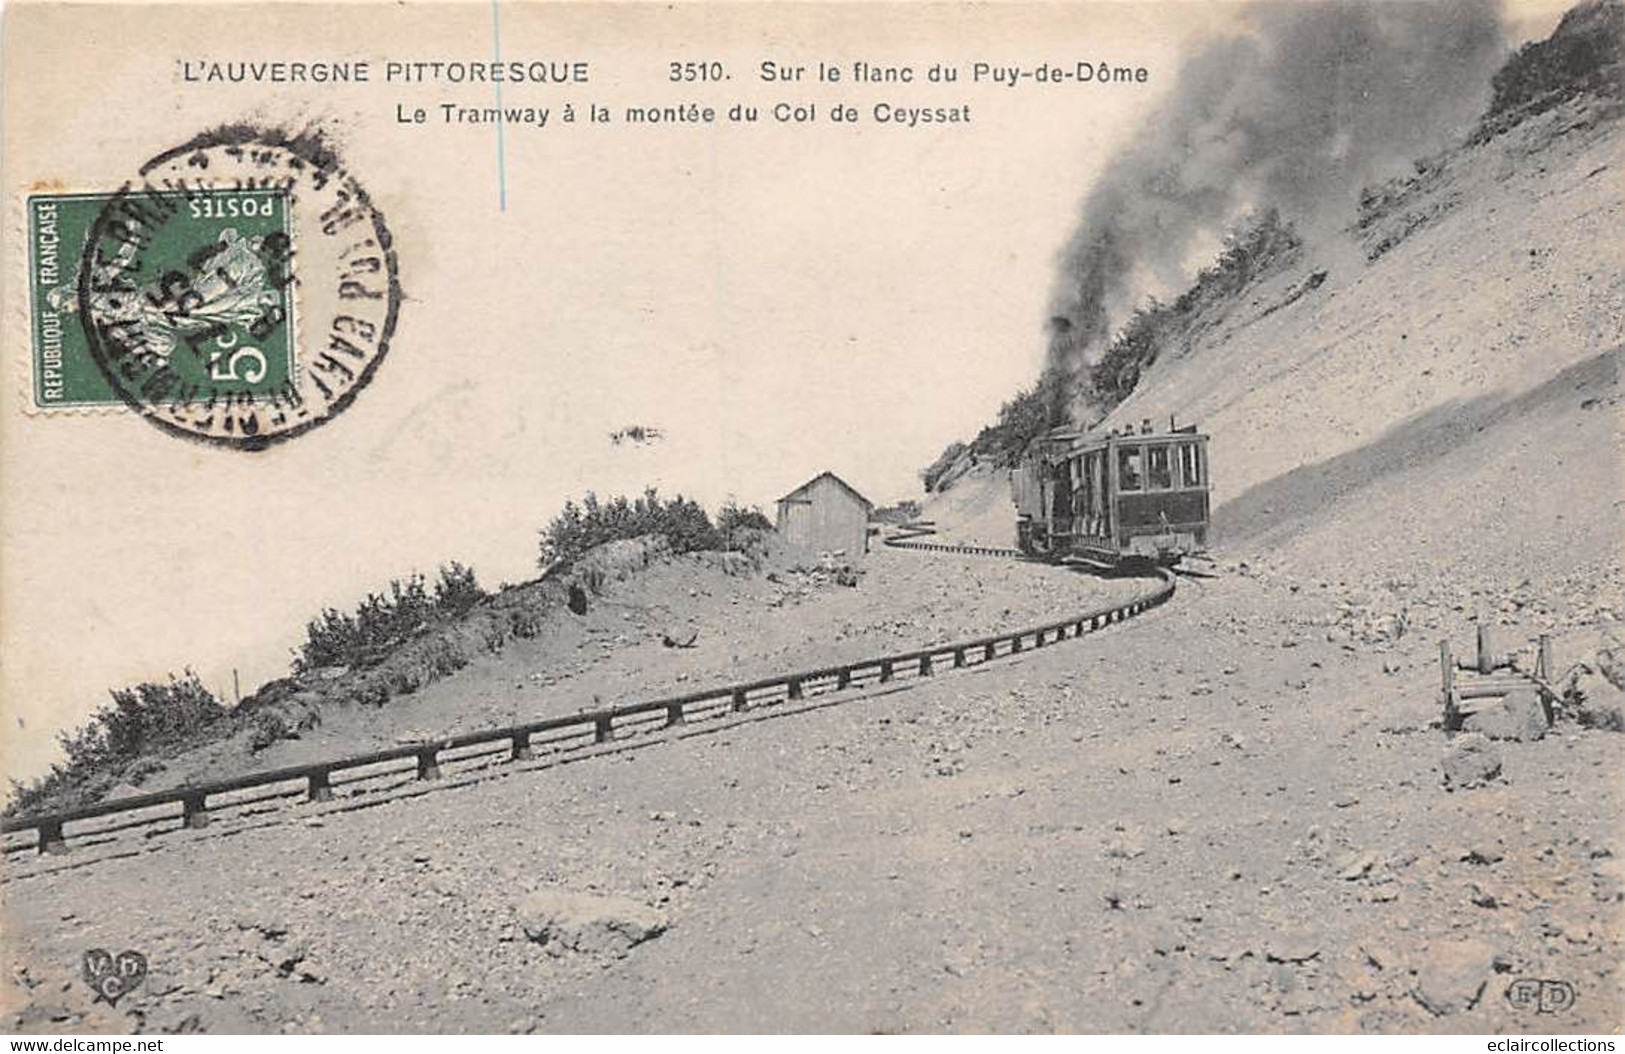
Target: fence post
x=925 y=665
x=674 y=714
x=1015 y=644
x=989 y=651
x=739 y=701
x=51 y=838
x=194 y=811
x=885 y=671
x=792 y=688
x=1486 y=655
x=959 y=658
x=1543 y=670
x=429 y=764
x=521 y=747
x=843 y=678
x=321 y=789
x=1447 y=689
x=601 y=730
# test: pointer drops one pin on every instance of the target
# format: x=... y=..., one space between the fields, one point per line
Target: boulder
x=1611 y=659
x=1597 y=703
x=286 y=719
x=594 y=923
x=1451 y=978
x=1520 y=716
x=1289 y=946
x=1471 y=760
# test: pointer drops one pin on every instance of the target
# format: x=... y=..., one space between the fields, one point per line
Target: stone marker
x=1470 y=761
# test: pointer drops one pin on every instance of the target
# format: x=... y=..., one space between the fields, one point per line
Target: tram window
x=1159 y=468
x=1191 y=469
x=1128 y=468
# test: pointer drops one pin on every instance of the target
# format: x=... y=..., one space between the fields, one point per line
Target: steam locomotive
x=1113 y=497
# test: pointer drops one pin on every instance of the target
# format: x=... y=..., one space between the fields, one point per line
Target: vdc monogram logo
x=1543 y=997
x=112 y=976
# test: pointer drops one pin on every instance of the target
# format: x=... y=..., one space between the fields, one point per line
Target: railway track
x=193 y=806
x=907 y=537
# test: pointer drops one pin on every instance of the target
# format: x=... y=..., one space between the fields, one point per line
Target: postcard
x=858 y=518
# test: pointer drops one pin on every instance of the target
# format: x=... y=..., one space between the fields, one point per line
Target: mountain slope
x=1455 y=396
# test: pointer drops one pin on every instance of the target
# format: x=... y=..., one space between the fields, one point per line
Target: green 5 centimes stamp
x=207 y=296
x=175 y=294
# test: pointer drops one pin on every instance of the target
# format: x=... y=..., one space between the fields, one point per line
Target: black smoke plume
x=1299 y=108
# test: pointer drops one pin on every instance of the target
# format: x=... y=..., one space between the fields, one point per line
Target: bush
x=932 y=474
x=1021 y=420
x=580 y=528
x=901 y=512
x=732 y=517
x=1254 y=247
x=151 y=715
x=141 y=719
x=381 y=622
x=458 y=590
x=740 y=529
x=1581 y=55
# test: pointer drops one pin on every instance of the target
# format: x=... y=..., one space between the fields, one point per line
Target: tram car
x=1113 y=497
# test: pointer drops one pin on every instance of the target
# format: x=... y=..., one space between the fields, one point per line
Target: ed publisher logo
x=1541 y=996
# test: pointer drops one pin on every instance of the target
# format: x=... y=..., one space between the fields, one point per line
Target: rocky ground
x=1226 y=814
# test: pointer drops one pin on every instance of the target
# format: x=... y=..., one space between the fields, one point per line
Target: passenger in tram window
x=1128 y=468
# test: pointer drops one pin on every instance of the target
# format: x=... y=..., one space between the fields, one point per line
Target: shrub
x=1581 y=55
x=381 y=622
x=901 y=512
x=1257 y=245
x=1021 y=420
x=458 y=590
x=732 y=517
x=141 y=719
x=932 y=474
x=580 y=528
x=150 y=715
x=740 y=529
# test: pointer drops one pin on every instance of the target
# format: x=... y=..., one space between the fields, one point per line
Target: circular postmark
x=242 y=290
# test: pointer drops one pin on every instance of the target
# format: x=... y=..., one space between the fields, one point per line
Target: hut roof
x=796 y=495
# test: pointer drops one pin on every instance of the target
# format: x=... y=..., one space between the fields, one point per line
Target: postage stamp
x=226 y=325
x=184 y=295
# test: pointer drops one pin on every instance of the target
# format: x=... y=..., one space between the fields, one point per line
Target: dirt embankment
x=656 y=623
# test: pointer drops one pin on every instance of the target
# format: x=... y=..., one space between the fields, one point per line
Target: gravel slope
x=1208 y=818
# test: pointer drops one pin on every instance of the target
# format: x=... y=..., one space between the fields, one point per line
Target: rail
x=318 y=778
x=907 y=535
